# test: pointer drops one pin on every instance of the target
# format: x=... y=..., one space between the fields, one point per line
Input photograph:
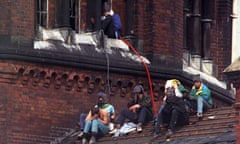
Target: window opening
x=41 y=13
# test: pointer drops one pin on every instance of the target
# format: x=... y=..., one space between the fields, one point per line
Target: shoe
x=169 y=133
x=117 y=134
x=113 y=131
x=139 y=128
x=92 y=140
x=80 y=135
x=199 y=115
x=84 y=141
x=156 y=135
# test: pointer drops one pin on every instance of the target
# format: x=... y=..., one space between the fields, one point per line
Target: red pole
x=147 y=70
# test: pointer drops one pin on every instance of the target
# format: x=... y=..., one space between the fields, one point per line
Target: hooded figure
x=101 y=99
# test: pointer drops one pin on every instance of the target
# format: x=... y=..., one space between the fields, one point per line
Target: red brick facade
x=17 y=26
x=34 y=97
x=158 y=23
x=221 y=35
x=236 y=83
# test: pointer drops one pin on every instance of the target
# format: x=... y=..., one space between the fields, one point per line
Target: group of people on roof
x=173 y=112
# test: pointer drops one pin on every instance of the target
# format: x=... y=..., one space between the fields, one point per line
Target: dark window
x=73 y=14
x=41 y=13
x=94 y=13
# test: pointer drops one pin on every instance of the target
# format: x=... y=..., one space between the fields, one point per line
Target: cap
x=196 y=78
x=101 y=94
x=138 y=89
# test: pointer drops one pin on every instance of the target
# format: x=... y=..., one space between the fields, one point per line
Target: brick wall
x=167 y=30
x=51 y=13
x=17 y=26
x=37 y=97
x=221 y=35
x=143 y=23
x=158 y=23
x=236 y=83
x=5 y=22
x=5 y=14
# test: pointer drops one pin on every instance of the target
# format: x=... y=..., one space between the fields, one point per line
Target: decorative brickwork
x=39 y=96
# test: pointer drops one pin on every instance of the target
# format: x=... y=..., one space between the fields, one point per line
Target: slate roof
x=217 y=126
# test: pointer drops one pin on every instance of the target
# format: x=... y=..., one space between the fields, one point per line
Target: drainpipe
x=196 y=27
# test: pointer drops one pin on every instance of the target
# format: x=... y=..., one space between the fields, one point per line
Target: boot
x=85 y=138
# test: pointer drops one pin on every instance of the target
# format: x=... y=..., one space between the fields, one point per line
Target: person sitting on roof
x=201 y=95
x=139 y=109
x=103 y=106
x=96 y=124
x=111 y=22
x=174 y=111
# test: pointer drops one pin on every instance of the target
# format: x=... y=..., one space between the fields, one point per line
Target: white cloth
x=125 y=129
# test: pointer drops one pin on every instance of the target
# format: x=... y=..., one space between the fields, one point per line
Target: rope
x=147 y=70
x=102 y=45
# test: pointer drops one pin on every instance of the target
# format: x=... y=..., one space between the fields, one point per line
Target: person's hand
x=134 y=107
x=112 y=117
x=137 y=106
x=95 y=116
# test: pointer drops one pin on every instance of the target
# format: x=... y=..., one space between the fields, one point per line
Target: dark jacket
x=144 y=102
x=176 y=103
x=108 y=26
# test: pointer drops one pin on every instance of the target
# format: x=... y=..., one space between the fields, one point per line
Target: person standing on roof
x=202 y=95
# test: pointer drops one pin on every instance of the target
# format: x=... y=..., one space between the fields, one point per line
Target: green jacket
x=203 y=92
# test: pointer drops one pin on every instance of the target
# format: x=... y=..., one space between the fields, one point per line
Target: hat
x=138 y=89
x=101 y=94
x=196 y=78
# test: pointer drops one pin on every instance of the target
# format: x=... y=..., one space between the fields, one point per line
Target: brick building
x=52 y=62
